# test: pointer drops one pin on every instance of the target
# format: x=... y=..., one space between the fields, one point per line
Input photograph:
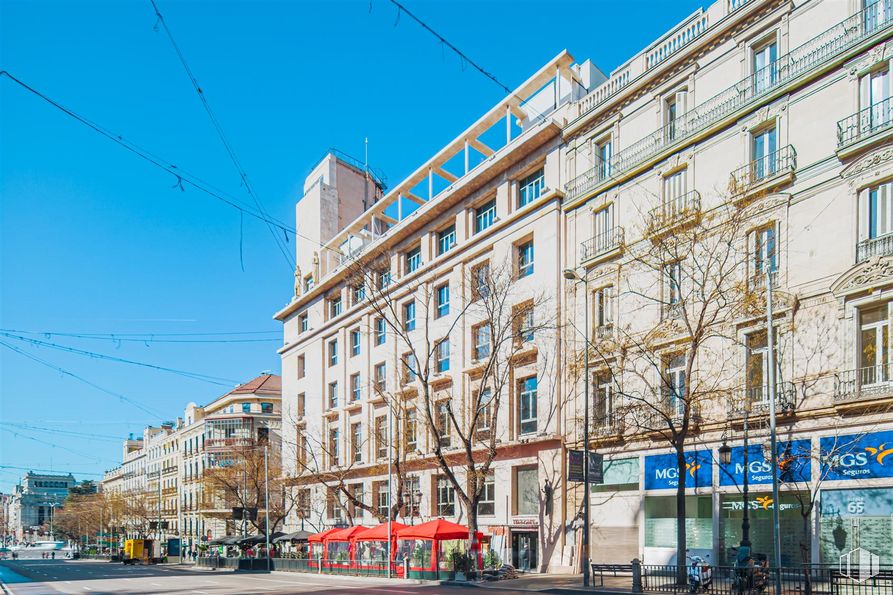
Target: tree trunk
x=681 y=575
x=472 y=538
x=805 y=552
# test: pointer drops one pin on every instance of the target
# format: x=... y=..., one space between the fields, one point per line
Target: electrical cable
x=25 y=426
x=18 y=433
x=193 y=375
x=132 y=334
x=226 y=144
x=61 y=370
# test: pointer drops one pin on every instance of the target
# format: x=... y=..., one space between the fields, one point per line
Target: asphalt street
x=49 y=577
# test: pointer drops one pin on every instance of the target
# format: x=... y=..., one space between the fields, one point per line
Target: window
x=487 y=503
x=359 y=293
x=334 y=447
x=480 y=281
x=674 y=194
x=333 y=352
x=603 y=233
x=446 y=239
x=302 y=404
x=302 y=366
x=381 y=331
x=527 y=405
x=757 y=367
x=525 y=259
x=879 y=211
x=674 y=379
x=410 y=366
x=674 y=108
x=383 y=279
x=874 y=345
x=442 y=419
x=380 y=377
x=412 y=496
x=481 y=341
x=413 y=259
x=443 y=300
x=874 y=101
x=603 y=409
x=354 y=342
x=524 y=319
x=603 y=154
x=333 y=394
x=409 y=316
x=356 y=442
x=527 y=491
x=411 y=430
x=484 y=216
x=382 y=498
x=356 y=492
x=303 y=323
x=763 y=155
x=672 y=289
x=308 y=283
x=442 y=355
x=604 y=310
x=485 y=411
x=333 y=504
x=381 y=437
x=765 y=67
x=764 y=253
x=266 y=408
x=356 y=391
x=335 y=307
x=530 y=188
x=446 y=497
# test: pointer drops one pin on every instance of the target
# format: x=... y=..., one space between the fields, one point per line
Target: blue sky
x=94 y=240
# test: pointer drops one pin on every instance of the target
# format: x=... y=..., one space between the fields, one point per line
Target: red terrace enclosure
x=371 y=548
x=317 y=548
x=433 y=547
x=339 y=548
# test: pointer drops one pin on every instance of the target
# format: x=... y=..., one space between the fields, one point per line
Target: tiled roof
x=265 y=384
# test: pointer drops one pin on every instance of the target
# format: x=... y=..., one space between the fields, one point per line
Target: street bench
x=601 y=569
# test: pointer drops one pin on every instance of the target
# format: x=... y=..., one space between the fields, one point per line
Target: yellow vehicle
x=141 y=551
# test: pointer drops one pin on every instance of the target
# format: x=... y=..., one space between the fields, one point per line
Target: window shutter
x=865 y=91
x=863 y=214
x=681 y=102
x=609 y=305
x=751 y=252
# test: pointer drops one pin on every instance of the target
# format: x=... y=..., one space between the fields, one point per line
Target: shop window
x=527 y=491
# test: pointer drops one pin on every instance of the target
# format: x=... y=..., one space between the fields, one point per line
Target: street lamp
x=574 y=277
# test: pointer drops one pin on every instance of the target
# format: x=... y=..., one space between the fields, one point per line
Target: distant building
x=33 y=502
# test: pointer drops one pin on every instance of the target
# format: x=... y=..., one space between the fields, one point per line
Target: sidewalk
x=560 y=583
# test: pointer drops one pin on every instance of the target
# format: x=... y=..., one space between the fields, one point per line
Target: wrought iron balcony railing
x=865 y=122
x=602 y=243
x=801 y=60
x=779 y=162
x=863 y=383
x=674 y=211
x=603 y=426
x=880 y=246
x=757 y=282
x=755 y=399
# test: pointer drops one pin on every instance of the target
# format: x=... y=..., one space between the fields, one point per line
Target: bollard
x=406 y=567
x=637 y=575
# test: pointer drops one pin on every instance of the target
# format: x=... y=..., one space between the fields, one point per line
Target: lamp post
x=725 y=457
x=573 y=276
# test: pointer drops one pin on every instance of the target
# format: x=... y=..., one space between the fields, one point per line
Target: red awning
x=379 y=533
x=344 y=534
x=318 y=538
x=436 y=529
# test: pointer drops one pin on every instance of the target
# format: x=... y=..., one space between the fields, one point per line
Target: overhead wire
x=18 y=433
x=61 y=370
x=135 y=334
x=193 y=375
x=85 y=435
x=146 y=339
x=243 y=176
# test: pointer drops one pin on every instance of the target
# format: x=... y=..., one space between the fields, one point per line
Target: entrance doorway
x=524 y=554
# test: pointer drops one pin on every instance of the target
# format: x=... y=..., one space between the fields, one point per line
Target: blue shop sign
x=661 y=471
x=858 y=456
x=760 y=470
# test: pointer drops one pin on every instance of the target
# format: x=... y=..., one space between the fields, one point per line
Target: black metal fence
x=354 y=568
x=730 y=580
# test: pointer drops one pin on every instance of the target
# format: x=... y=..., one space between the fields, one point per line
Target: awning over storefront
x=379 y=533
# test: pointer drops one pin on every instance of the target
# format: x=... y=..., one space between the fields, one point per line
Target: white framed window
x=304 y=323
x=356 y=389
x=673 y=110
x=333 y=352
x=764 y=158
x=355 y=342
x=525 y=259
x=484 y=216
x=335 y=307
x=442 y=355
x=604 y=399
x=874 y=345
x=673 y=285
x=356 y=442
x=604 y=308
x=675 y=384
x=383 y=498
x=603 y=229
x=412 y=496
x=485 y=410
x=765 y=66
x=442 y=419
x=764 y=254
x=446 y=497
x=381 y=437
x=604 y=151
x=446 y=239
x=411 y=429
x=674 y=190
x=381 y=331
x=334 y=447
x=443 y=300
x=410 y=366
x=413 y=259
x=333 y=394
x=531 y=187
x=380 y=377
x=527 y=405
x=481 y=341
x=487 y=503
x=409 y=316
x=359 y=293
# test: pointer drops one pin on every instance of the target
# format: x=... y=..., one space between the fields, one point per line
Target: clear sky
x=95 y=240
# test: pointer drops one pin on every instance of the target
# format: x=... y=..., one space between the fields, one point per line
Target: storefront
x=661 y=479
x=616 y=513
x=760 y=505
x=860 y=516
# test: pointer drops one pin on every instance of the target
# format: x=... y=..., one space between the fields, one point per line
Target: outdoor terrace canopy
x=430 y=545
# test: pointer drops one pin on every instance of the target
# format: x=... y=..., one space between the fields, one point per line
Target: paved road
x=86 y=577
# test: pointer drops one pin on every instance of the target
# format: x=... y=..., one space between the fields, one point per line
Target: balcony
x=763 y=85
x=674 y=213
x=757 y=282
x=755 y=400
x=865 y=128
x=605 y=428
x=863 y=384
x=223 y=443
x=880 y=246
x=605 y=244
x=763 y=175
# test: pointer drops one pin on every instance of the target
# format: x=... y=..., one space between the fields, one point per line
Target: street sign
x=575 y=466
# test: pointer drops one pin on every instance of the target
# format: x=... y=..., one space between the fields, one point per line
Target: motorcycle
x=700 y=575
